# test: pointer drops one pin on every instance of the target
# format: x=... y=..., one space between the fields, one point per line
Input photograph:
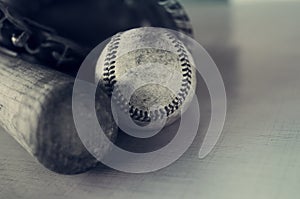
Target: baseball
x=149 y=74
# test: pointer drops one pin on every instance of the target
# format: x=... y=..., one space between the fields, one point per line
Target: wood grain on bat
x=36 y=109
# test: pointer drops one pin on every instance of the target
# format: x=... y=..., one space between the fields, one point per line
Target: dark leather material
x=87 y=23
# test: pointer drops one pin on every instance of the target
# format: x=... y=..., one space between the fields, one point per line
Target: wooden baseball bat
x=36 y=110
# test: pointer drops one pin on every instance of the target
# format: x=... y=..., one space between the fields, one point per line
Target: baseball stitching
x=109 y=65
x=135 y=113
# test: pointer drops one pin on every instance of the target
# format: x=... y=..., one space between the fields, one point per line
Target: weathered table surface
x=256 y=46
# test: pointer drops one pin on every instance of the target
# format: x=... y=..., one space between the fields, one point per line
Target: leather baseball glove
x=60 y=33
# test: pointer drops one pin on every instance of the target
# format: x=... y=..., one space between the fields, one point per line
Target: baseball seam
x=136 y=113
x=109 y=65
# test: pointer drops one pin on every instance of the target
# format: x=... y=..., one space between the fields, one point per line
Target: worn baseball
x=149 y=74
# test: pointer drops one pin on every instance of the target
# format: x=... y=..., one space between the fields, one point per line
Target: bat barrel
x=36 y=110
